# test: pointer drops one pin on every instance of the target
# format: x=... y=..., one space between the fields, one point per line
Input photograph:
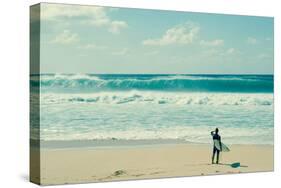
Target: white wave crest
x=141 y=97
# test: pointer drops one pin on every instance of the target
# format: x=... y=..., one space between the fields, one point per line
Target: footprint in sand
x=138 y=175
x=119 y=172
x=159 y=172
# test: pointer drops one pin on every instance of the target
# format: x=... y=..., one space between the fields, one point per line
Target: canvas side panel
x=34 y=165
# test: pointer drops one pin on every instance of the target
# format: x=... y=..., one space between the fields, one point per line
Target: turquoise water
x=148 y=107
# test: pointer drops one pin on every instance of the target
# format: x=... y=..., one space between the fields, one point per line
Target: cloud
x=91 y=47
x=263 y=56
x=252 y=40
x=180 y=34
x=221 y=52
x=102 y=20
x=268 y=38
x=66 y=37
x=217 y=42
x=92 y=15
x=151 y=53
x=212 y=52
x=116 y=26
x=230 y=51
x=123 y=51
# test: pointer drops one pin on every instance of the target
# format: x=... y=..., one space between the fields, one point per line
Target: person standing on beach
x=216 y=136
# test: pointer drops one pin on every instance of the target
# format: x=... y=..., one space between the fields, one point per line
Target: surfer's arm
x=212 y=133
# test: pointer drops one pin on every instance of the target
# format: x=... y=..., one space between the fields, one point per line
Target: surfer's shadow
x=233 y=165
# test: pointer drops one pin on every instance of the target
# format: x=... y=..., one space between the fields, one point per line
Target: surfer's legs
x=215 y=151
x=218 y=156
x=213 y=156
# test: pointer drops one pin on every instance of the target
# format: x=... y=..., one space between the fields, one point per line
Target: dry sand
x=112 y=164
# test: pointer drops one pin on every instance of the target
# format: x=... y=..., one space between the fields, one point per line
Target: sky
x=104 y=40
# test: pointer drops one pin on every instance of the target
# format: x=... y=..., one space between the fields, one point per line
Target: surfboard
x=223 y=147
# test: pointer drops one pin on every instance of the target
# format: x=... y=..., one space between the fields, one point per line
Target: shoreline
x=115 y=143
x=70 y=165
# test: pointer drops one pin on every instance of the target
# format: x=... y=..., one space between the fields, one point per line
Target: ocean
x=132 y=108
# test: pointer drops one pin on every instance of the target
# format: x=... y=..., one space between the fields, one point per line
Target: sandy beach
x=61 y=166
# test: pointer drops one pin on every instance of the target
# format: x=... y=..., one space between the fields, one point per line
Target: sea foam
x=161 y=98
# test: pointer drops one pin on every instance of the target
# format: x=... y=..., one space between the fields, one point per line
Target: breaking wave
x=198 y=83
x=138 y=97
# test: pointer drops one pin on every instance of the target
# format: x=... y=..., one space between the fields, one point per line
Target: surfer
x=216 y=138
